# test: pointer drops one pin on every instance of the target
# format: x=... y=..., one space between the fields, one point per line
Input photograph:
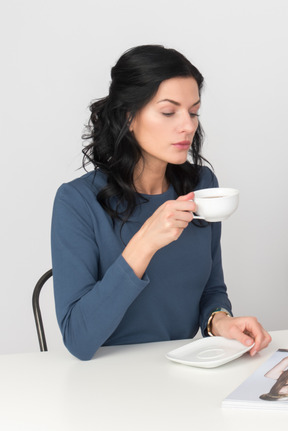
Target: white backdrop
x=56 y=57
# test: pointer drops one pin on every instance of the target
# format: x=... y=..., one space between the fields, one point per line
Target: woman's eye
x=168 y=114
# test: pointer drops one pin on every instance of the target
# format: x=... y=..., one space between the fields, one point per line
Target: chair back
x=37 y=311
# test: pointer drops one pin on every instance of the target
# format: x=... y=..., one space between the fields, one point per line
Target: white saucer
x=208 y=352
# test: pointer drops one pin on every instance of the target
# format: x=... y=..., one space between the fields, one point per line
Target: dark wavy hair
x=112 y=148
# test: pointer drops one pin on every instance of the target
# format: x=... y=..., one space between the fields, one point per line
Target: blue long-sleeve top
x=99 y=299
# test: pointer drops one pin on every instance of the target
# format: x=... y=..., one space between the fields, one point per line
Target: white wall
x=56 y=57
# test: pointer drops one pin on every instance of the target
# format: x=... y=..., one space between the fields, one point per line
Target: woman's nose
x=189 y=123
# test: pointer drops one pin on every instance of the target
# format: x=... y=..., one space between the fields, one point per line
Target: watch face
x=221 y=309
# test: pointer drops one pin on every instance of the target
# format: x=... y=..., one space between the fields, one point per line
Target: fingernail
x=248 y=342
x=253 y=353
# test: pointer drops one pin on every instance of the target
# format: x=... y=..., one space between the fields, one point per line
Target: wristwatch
x=209 y=323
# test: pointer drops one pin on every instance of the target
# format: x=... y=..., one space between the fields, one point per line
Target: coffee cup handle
x=196 y=216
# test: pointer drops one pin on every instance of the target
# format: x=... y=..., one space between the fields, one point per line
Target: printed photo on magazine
x=266 y=388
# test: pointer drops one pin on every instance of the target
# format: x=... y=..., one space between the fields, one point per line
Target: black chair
x=37 y=311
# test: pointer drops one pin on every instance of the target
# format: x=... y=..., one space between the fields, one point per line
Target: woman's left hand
x=247 y=330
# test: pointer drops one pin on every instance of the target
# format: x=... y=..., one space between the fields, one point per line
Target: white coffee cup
x=216 y=204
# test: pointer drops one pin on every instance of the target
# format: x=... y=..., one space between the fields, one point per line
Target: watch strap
x=210 y=320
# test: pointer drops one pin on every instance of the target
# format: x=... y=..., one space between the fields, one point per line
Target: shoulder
x=207 y=179
x=79 y=196
x=85 y=186
x=76 y=201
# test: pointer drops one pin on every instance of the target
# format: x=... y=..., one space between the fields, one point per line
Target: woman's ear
x=130 y=122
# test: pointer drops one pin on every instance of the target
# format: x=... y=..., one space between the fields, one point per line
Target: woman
x=129 y=263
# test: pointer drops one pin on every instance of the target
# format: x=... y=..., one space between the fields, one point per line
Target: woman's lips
x=183 y=145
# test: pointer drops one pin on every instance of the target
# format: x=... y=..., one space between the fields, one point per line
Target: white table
x=128 y=388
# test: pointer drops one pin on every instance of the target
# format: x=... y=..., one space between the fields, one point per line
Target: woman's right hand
x=168 y=222
x=164 y=226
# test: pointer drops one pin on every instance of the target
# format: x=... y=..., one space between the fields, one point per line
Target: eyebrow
x=176 y=103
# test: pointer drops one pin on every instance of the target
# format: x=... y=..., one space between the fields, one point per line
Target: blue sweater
x=99 y=299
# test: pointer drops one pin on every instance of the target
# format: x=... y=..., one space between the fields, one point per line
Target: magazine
x=266 y=388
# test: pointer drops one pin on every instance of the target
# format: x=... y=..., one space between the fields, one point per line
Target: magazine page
x=266 y=388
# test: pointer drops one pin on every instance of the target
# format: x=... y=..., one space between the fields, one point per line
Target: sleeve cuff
x=140 y=283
